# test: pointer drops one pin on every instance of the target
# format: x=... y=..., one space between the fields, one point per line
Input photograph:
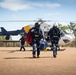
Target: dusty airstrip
x=14 y=62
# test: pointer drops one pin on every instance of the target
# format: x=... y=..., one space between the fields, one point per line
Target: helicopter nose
x=71 y=37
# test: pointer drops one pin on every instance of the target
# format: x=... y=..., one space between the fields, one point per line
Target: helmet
x=37 y=25
x=55 y=25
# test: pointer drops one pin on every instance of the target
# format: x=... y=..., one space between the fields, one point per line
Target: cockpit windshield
x=0 y=30
x=62 y=33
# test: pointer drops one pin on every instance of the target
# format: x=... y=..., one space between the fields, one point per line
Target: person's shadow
x=19 y=58
x=27 y=57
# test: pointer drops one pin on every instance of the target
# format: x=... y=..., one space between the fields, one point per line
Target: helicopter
x=65 y=38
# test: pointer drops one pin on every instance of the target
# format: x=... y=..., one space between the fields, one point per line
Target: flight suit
x=54 y=34
x=37 y=36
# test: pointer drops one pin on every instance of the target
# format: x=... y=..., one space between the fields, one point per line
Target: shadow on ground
x=26 y=57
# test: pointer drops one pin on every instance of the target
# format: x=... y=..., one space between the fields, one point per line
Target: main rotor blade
x=40 y=20
x=19 y=21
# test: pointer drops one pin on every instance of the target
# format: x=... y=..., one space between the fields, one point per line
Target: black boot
x=37 y=56
x=34 y=56
x=54 y=56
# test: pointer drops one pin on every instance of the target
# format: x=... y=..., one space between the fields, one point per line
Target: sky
x=56 y=10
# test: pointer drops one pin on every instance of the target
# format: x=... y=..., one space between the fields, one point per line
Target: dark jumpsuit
x=37 y=36
x=22 y=43
x=54 y=34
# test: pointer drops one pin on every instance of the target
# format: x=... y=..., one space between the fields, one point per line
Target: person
x=22 y=43
x=37 y=35
x=54 y=34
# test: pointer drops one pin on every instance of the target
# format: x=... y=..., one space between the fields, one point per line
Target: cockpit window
x=0 y=30
x=62 y=33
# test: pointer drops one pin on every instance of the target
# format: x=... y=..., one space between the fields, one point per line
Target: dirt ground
x=15 y=62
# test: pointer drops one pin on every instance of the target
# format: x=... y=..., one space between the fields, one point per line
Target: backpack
x=37 y=34
x=55 y=32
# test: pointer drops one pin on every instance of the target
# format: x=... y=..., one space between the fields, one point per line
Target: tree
x=72 y=27
x=64 y=28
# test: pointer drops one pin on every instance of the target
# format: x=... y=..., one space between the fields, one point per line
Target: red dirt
x=15 y=62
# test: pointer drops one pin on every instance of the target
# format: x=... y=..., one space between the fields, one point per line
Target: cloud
x=50 y=5
x=14 y=5
x=52 y=13
x=53 y=5
x=21 y=4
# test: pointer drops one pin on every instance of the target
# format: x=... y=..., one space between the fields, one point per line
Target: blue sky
x=61 y=10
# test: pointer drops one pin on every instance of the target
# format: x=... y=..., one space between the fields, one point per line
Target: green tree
x=64 y=28
x=72 y=27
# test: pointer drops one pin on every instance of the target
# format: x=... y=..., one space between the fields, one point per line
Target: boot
x=34 y=56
